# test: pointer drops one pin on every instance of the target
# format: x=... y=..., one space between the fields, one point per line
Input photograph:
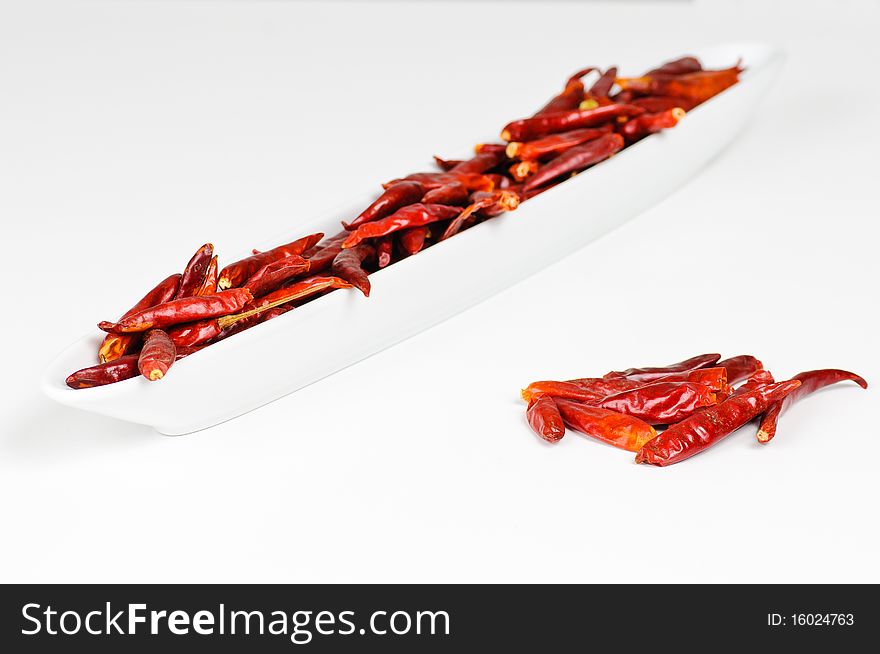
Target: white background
x=132 y=132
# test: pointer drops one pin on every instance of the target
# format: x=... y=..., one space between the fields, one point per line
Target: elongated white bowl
x=280 y=356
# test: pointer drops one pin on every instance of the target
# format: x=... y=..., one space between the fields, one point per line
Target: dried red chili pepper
x=116 y=345
x=544 y=419
x=384 y=250
x=529 y=129
x=237 y=273
x=445 y=164
x=194 y=333
x=570 y=97
x=555 y=143
x=193 y=279
x=576 y=159
x=625 y=432
x=490 y=204
x=678 y=66
x=454 y=193
x=396 y=196
x=740 y=367
x=657 y=103
x=414 y=215
x=598 y=93
x=110 y=372
x=651 y=374
x=471 y=181
x=601 y=387
x=646 y=124
x=157 y=355
x=660 y=403
x=715 y=378
x=175 y=312
x=413 y=240
x=298 y=290
x=349 y=265
x=274 y=274
x=811 y=381
x=321 y=256
x=707 y=427
x=484 y=160
x=758 y=379
x=209 y=286
x=560 y=389
x=698 y=86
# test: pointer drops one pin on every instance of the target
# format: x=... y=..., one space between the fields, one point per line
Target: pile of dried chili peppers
x=576 y=129
x=699 y=401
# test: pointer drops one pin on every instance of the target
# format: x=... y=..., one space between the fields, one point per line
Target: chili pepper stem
x=228 y=321
x=763 y=436
x=156 y=375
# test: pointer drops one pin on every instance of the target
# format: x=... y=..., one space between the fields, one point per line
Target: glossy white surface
x=283 y=355
x=132 y=132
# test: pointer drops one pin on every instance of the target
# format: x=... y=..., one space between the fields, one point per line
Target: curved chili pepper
x=471 y=181
x=740 y=367
x=625 y=432
x=559 y=389
x=236 y=273
x=524 y=169
x=175 y=312
x=545 y=420
x=115 y=346
x=678 y=66
x=349 y=265
x=655 y=373
x=641 y=126
x=298 y=290
x=454 y=193
x=196 y=271
x=698 y=86
x=157 y=355
x=598 y=93
x=707 y=427
x=555 y=143
x=492 y=203
x=274 y=274
x=529 y=129
x=446 y=164
x=577 y=158
x=321 y=256
x=413 y=240
x=209 y=286
x=811 y=381
x=194 y=333
x=570 y=97
x=396 y=196
x=110 y=372
x=660 y=403
x=414 y=215
x=384 y=250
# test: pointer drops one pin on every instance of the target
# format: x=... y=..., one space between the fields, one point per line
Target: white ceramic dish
x=280 y=356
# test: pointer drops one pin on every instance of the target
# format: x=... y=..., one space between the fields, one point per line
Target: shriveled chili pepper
x=454 y=193
x=414 y=215
x=237 y=273
x=491 y=203
x=601 y=387
x=194 y=333
x=396 y=196
x=482 y=161
x=707 y=427
x=413 y=240
x=349 y=265
x=528 y=129
x=625 y=432
x=471 y=181
x=196 y=271
x=560 y=389
x=660 y=403
x=116 y=345
x=740 y=367
x=544 y=419
x=657 y=103
x=110 y=372
x=715 y=378
x=555 y=143
x=698 y=86
x=678 y=66
x=598 y=93
x=570 y=97
x=157 y=355
x=641 y=126
x=175 y=312
x=577 y=158
x=811 y=381
x=384 y=250
x=321 y=256
x=209 y=286
x=650 y=374
x=274 y=274
x=298 y=290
